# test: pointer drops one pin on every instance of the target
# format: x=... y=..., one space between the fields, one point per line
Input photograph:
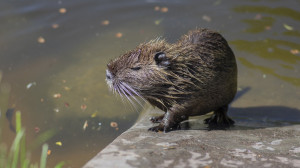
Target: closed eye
x=136 y=68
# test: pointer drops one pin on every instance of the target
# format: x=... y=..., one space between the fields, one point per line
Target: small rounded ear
x=161 y=59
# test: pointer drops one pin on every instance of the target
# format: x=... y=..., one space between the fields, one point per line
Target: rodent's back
x=207 y=49
x=204 y=58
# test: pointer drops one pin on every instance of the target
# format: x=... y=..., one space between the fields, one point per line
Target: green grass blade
x=44 y=156
x=22 y=145
x=60 y=165
x=18 y=121
x=22 y=150
x=26 y=163
x=14 y=151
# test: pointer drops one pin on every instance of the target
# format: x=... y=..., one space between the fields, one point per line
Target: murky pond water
x=53 y=57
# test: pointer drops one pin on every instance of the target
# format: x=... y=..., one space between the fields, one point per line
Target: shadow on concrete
x=265 y=116
x=252 y=117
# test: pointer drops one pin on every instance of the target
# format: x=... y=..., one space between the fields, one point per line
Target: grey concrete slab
x=198 y=147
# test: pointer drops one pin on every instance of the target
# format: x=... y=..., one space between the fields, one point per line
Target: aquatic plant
x=17 y=155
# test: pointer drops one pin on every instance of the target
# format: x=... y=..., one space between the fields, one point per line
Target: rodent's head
x=138 y=70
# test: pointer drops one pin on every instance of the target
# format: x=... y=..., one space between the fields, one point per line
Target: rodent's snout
x=109 y=76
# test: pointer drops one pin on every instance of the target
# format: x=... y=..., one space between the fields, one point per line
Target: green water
x=70 y=60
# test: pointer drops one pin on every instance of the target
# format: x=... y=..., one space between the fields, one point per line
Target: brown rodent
x=194 y=76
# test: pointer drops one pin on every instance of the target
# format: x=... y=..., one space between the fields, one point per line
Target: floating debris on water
x=161 y=9
x=57 y=95
x=157 y=22
x=55 y=26
x=85 y=125
x=206 y=18
x=29 y=85
x=37 y=129
x=264 y=76
x=58 y=143
x=288 y=27
x=67 y=104
x=42 y=100
x=119 y=35
x=62 y=10
x=56 y=110
x=41 y=40
x=83 y=107
x=98 y=128
x=105 y=22
x=66 y=88
x=94 y=114
x=49 y=152
x=268 y=28
x=113 y=124
x=294 y=51
x=164 y=9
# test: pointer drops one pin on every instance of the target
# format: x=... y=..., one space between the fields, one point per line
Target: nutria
x=194 y=76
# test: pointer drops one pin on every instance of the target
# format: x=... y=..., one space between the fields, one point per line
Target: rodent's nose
x=108 y=75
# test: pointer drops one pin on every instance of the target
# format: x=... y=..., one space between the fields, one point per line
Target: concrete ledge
x=197 y=147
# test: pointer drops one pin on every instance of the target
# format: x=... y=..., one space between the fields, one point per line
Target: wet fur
x=194 y=76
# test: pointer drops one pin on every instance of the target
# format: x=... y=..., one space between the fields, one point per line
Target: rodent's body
x=194 y=76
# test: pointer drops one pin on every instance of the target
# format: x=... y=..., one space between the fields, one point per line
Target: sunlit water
x=53 y=56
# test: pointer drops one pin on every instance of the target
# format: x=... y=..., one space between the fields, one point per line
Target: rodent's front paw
x=156 y=129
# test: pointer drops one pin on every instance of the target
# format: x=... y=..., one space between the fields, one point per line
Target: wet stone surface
x=198 y=147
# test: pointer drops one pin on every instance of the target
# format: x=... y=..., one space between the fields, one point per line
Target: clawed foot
x=217 y=122
x=163 y=128
x=170 y=121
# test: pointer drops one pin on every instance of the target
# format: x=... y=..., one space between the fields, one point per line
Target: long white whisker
x=128 y=91
x=120 y=94
x=128 y=98
x=118 y=90
x=132 y=90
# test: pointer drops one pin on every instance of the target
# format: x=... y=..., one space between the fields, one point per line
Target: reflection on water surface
x=63 y=47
